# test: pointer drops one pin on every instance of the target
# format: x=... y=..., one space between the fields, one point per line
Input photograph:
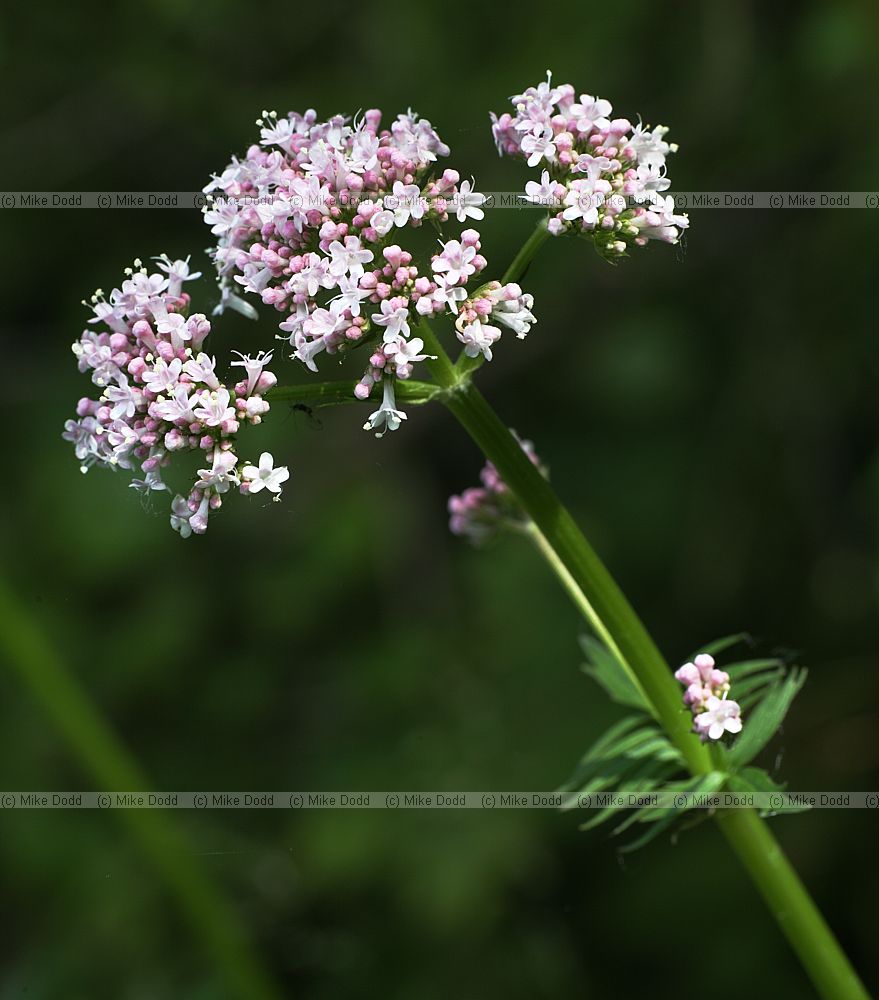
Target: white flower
x=222 y=217
x=349 y=297
x=581 y=202
x=406 y=202
x=387 y=416
x=180 y=515
x=395 y=320
x=253 y=367
x=201 y=369
x=177 y=271
x=321 y=323
x=512 y=307
x=659 y=222
x=122 y=439
x=539 y=147
x=467 y=202
x=163 y=377
x=124 y=398
x=255 y=276
x=279 y=133
x=364 y=150
x=221 y=474
x=651 y=177
x=174 y=326
x=214 y=408
x=447 y=295
x=229 y=300
x=382 y=222
x=82 y=435
x=348 y=257
x=455 y=262
x=265 y=476
x=306 y=349
x=477 y=338
x=276 y=212
x=719 y=717
x=151 y=481
x=113 y=316
x=406 y=352
x=543 y=193
x=177 y=409
x=590 y=113
x=650 y=147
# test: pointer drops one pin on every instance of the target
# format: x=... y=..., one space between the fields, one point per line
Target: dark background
x=709 y=413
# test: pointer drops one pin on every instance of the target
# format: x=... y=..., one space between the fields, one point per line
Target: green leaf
x=605 y=669
x=744 y=668
x=755 y=779
x=761 y=724
x=623 y=757
x=661 y=820
x=753 y=684
x=719 y=645
x=648 y=780
x=599 y=749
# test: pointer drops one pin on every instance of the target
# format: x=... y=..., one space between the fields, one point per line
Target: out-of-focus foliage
x=712 y=421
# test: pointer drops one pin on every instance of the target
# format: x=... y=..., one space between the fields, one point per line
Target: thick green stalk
x=609 y=607
x=791 y=905
x=603 y=604
x=28 y=652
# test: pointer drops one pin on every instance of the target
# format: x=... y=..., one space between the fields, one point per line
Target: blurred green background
x=709 y=413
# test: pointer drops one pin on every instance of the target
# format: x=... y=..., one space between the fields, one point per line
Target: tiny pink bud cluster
x=602 y=177
x=706 y=696
x=160 y=394
x=480 y=512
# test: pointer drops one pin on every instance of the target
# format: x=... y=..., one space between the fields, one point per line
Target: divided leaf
x=755 y=779
x=661 y=819
x=761 y=724
x=607 y=671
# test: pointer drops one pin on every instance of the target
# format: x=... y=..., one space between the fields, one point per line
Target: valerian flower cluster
x=480 y=512
x=601 y=177
x=314 y=220
x=319 y=221
x=706 y=696
x=159 y=394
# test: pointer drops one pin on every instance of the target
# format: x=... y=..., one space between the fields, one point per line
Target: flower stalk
x=602 y=603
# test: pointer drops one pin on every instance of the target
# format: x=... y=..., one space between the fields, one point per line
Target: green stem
x=791 y=905
x=603 y=604
x=581 y=602
x=526 y=254
x=27 y=651
x=333 y=393
x=570 y=549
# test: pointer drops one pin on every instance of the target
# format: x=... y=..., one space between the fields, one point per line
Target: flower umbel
x=160 y=394
x=706 y=696
x=481 y=512
x=601 y=177
x=314 y=221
